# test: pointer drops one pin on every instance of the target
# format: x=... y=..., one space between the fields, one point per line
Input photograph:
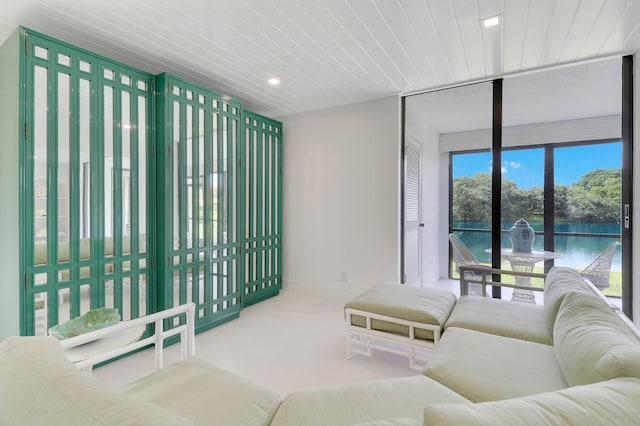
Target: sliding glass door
x=562 y=171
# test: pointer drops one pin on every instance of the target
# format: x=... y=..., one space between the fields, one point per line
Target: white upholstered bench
x=399 y=319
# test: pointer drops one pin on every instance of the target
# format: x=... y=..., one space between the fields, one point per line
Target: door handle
x=627 y=216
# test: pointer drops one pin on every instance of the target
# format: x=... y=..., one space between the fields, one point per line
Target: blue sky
x=526 y=167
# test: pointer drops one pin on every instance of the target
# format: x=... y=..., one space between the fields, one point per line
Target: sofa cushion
x=615 y=402
x=207 y=394
x=399 y=421
x=425 y=305
x=40 y=386
x=485 y=367
x=381 y=400
x=501 y=317
x=561 y=281
x=592 y=343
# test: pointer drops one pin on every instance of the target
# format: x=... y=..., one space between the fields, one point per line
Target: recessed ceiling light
x=274 y=81
x=491 y=22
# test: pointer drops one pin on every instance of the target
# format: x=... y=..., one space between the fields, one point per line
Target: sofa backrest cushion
x=561 y=281
x=592 y=343
x=615 y=402
x=39 y=385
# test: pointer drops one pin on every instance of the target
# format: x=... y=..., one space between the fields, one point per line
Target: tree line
x=595 y=198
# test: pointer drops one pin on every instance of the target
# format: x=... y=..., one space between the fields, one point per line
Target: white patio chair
x=462 y=256
x=599 y=271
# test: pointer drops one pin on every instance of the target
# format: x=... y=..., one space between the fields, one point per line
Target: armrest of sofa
x=492 y=277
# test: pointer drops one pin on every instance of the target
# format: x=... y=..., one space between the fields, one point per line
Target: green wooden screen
x=263 y=207
x=87 y=185
x=200 y=242
x=92 y=162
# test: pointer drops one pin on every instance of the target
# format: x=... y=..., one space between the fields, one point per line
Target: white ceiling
x=332 y=52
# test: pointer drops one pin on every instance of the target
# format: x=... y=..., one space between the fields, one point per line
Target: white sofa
x=588 y=374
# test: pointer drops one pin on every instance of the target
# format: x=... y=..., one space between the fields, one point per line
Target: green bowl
x=90 y=321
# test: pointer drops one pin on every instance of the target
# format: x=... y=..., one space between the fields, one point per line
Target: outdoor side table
x=525 y=262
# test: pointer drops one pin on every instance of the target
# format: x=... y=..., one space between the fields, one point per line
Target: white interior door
x=412 y=212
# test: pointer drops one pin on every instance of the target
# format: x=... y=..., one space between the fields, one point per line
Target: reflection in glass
x=41 y=52
x=176 y=175
x=64 y=60
x=64 y=305
x=126 y=163
x=85 y=158
x=189 y=169
x=142 y=172
x=109 y=213
x=201 y=158
x=41 y=307
x=40 y=140
x=64 y=161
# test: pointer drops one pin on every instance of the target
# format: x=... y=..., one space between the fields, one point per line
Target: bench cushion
x=615 y=402
x=500 y=317
x=40 y=386
x=485 y=367
x=206 y=394
x=385 y=401
x=593 y=343
x=425 y=305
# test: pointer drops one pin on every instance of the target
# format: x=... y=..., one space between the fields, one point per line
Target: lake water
x=577 y=252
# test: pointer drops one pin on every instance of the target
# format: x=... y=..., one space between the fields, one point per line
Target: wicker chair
x=599 y=271
x=462 y=256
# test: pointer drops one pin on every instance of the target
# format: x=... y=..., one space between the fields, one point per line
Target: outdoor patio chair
x=599 y=271
x=462 y=256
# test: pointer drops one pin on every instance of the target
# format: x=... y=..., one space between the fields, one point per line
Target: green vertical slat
x=208 y=207
x=274 y=209
x=52 y=189
x=219 y=211
x=98 y=186
x=134 y=230
x=116 y=193
x=280 y=205
x=231 y=207
x=195 y=179
x=27 y=322
x=260 y=210
x=164 y=177
x=74 y=189
x=182 y=185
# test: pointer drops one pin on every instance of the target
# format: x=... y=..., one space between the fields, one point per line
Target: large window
x=586 y=213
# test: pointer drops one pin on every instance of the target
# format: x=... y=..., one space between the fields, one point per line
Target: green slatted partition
x=201 y=201
x=263 y=207
x=94 y=166
x=87 y=188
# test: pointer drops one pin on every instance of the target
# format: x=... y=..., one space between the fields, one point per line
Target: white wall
x=9 y=189
x=341 y=212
